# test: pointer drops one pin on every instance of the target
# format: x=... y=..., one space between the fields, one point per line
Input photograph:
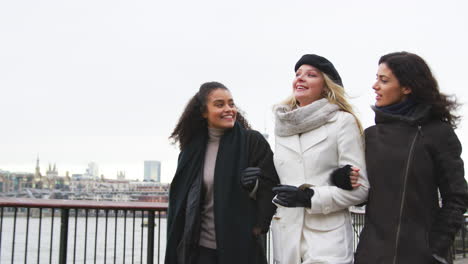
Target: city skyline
x=84 y=169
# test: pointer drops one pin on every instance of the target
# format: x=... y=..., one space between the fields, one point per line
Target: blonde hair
x=334 y=93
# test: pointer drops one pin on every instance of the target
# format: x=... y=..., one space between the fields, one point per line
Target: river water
x=76 y=251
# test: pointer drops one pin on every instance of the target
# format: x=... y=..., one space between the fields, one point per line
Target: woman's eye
x=381 y=80
x=311 y=75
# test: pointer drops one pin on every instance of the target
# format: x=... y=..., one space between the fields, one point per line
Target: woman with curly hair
x=220 y=197
x=412 y=156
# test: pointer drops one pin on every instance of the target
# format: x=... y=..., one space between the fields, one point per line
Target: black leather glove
x=249 y=178
x=340 y=178
x=291 y=196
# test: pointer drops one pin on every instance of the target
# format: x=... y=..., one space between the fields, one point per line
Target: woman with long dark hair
x=220 y=197
x=412 y=156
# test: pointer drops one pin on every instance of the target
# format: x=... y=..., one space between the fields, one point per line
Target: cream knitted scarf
x=303 y=119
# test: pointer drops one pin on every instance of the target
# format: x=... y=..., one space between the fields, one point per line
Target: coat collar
x=302 y=143
x=421 y=114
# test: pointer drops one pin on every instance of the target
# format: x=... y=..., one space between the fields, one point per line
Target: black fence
x=65 y=231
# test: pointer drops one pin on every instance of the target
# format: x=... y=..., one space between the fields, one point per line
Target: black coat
x=236 y=214
x=410 y=159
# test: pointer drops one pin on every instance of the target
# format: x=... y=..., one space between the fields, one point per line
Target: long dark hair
x=192 y=123
x=413 y=72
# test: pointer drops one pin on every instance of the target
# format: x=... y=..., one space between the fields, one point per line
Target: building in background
x=85 y=186
x=52 y=172
x=121 y=175
x=32 y=185
x=152 y=170
x=92 y=171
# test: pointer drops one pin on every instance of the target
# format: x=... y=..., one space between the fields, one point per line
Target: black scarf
x=404 y=108
x=234 y=211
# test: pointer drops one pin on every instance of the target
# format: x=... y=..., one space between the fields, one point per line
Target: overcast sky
x=106 y=81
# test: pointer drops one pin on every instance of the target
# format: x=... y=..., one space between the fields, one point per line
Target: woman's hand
x=346 y=177
x=292 y=196
x=354 y=177
x=249 y=178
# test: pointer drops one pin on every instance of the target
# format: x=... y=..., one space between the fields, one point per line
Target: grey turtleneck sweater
x=207 y=231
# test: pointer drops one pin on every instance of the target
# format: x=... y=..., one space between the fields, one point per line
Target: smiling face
x=220 y=110
x=388 y=88
x=308 y=85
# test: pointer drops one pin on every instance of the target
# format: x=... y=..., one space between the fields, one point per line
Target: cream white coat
x=323 y=233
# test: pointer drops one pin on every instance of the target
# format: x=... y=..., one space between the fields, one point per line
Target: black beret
x=322 y=64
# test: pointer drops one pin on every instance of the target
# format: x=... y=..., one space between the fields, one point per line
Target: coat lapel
x=312 y=138
x=290 y=142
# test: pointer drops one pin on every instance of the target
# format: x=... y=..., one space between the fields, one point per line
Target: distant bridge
x=100 y=195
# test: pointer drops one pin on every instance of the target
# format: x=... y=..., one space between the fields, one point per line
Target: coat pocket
x=286 y=230
x=277 y=236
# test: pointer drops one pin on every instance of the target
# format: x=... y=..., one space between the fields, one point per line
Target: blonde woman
x=316 y=133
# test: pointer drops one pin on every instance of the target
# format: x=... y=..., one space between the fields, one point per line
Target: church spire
x=38 y=169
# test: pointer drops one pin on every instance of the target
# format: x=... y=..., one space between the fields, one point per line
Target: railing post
x=1 y=230
x=150 y=249
x=463 y=235
x=63 y=236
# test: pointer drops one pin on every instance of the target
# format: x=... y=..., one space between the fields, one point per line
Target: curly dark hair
x=192 y=123
x=413 y=72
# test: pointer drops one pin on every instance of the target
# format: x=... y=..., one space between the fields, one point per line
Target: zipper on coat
x=403 y=195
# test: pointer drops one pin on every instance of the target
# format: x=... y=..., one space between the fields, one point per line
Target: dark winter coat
x=409 y=159
x=236 y=214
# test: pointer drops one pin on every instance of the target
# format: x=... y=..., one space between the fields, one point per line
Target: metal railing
x=460 y=244
x=357 y=218
x=68 y=231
